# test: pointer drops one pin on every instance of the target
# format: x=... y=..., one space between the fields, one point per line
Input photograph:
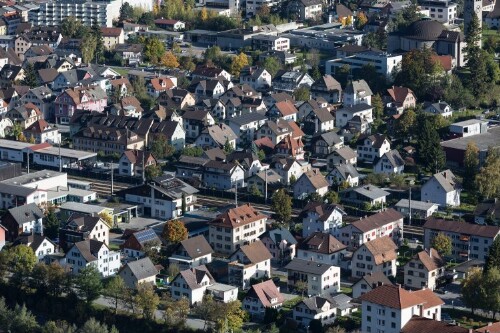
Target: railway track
x=222 y=202
x=103 y=187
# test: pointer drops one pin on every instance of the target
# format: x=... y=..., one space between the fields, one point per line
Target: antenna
x=265 y=190
x=236 y=194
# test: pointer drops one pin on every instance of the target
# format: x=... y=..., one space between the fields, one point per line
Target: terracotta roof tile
x=266 y=292
x=424 y=325
x=377 y=220
x=392 y=296
x=383 y=249
x=236 y=217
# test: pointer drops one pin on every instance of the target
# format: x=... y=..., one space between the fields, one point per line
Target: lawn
x=121 y=71
x=346 y=290
x=466 y=319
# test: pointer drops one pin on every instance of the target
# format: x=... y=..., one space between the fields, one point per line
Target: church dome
x=425 y=30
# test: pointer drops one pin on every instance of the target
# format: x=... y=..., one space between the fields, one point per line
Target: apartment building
x=320 y=278
x=378 y=255
x=321 y=217
x=236 y=227
x=424 y=270
x=252 y=261
x=470 y=241
x=93 y=252
x=443 y=11
x=384 y=63
x=322 y=248
x=267 y=43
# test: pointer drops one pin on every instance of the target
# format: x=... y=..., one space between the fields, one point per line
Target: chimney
x=444 y=174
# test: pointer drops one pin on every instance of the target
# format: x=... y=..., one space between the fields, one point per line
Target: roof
x=343 y=11
x=316 y=179
x=430 y=298
x=266 y=292
x=220 y=133
x=136 y=156
x=320 y=242
x=324 y=210
x=488 y=208
x=347 y=170
x=142 y=268
x=256 y=252
x=346 y=153
x=446 y=61
x=447 y=180
x=377 y=220
x=279 y=235
x=194 y=276
x=369 y=191
x=425 y=30
x=398 y=94
x=82 y=208
x=417 y=205
x=383 y=249
x=425 y=325
x=146 y=235
x=307 y=266
x=238 y=216
x=377 y=140
x=33 y=240
x=89 y=249
x=286 y=108
x=196 y=246
x=375 y=279
x=358 y=87
x=331 y=138
x=392 y=296
x=247 y=118
x=490 y=328
x=26 y=213
x=488 y=231
x=430 y=259
x=17 y=190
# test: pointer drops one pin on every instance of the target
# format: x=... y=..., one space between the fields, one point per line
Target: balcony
x=464 y=238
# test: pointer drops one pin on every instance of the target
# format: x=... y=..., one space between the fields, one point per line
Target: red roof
x=446 y=61
x=398 y=94
x=38 y=126
x=111 y=32
x=264 y=142
x=165 y=21
x=40 y=146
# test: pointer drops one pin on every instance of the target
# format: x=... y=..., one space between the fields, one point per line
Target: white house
x=322 y=248
x=192 y=252
x=366 y=194
x=378 y=255
x=348 y=112
x=25 y=219
x=419 y=209
x=343 y=155
x=40 y=244
x=223 y=175
x=389 y=308
x=442 y=188
x=261 y=296
x=289 y=168
x=252 y=261
x=136 y=243
x=424 y=270
x=325 y=308
x=390 y=163
x=246 y=125
x=385 y=223
x=256 y=77
x=138 y=272
x=442 y=108
x=310 y=182
x=369 y=282
x=320 y=278
x=322 y=217
x=469 y=127
x=41 y=131
x=373 y=147
x=343 y=173
x=357 y=92
x=280 y=243
x=92 y=252
x=216 y=136
x=192 y=284
x=131 y=162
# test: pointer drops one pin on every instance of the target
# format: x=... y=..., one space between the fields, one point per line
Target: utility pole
x=60 y=160
x=236 y=194
x=143 y=165
x=28 y=164
x=112 y=179
x=265 y=189
x=409 y=209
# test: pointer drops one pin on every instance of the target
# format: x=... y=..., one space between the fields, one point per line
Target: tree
x=491 y=284
x=22 y=320
x=335 y=329
x=174 y=231
x=442 y=244
x=51 y=223
x=378 y=106
x=332 y=197
x=473 y=33
x=206 y=310
x=405 y=18
x=107 y=218
x=195 y=151
x=212 y=53
x=169 y=60
x=240 y=61
x=115 y=289
x=160 y=147
x=183 y=203
x=154 y=49
x=204 y=14
x=264 y=11
x=99 y=48
x=431 y=155
x=59 y=326
x=471 y=166
x=228 y=147
x=21 y=261
x=282 y=206
x=254 y=190
x=147 y=18
x=93 y=326
x=361 y=20
x=152 y=171
x=406 y=123
x=315 y=326
x=488 y=178
x=302 y=93
x=30 y=77
x=71 y=27
x=313 y=57
x=126 y=12
x=230 y=316
x=301 y=287
x=493 y=260
x=147 y=300
x=58 y=280
x=88 y=48
x=272 y=65
x=473 y=293
x=89 y=283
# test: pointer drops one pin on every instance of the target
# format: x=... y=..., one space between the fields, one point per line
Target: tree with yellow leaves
x=240 y=61
x=174 y=231
x=361 y=20
x=348 y=21
x=169 y=60
x=204 y=14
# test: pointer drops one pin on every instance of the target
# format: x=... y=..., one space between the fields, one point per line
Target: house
x=256 y=77
x=323 y=248
x=111 y=37
x=470 y=241
x=442 y=108
x=468 y=128
x=82 y=227
x=310 y=182
x=96 y=138
x=81 y=98
x=41 y=245
x=368 y=195
x=174 y=25
x=223 y=175
x=158 y=85
x=138 y=242
x=371 y=148
x=322 y=308
x=487 y=211
x=305 y=9
x=290 y=169
x=25 y=219
x=419 y=209
x=246 y=125
x=223 y=292
x=359 y=112
x=236 y=227
x=24 y=115
x=325 y=143
x=131 y=53
x=278 y=130
x=385 y=223
x=128 y=106
x=290 y=147
x=424 y=270
x=285 y=110
x=192 y=284
x=203 y=72
x=9 y=74
x=401 y=98
x=357 y=92
x=267 y=43
x=249 y=262
x=265 y=180
x=216 y=136
x=305 y=107
x=321 y=217
x=389 y=308
x=319 y=121
x=248 y=160
x=343 y=173
x=177 y=98
x=162 y=197
x=172 y=131
x=260 y=297
x=327 y=88
x=343 y=155
x=442 y=188
x=41 y=131
x=320 y=278
x=192 y=252
x=369 y=282
x=92 y=252
x=42 y=97
x=137 y=272
x=490 y=327
x=377 y=255
x=390 y=163
x=288 y=81
x=131 y=162
x=280 y=243
x=195 y=122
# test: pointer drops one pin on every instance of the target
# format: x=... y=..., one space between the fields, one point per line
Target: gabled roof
x=307 y=266
x=267 y=293
x=394 y=158
x=488 y=231
x=369 y=191
x=33 y=240
x=447 y=180
x=323 y=210
x=239 y=216
x=111 y=32
x=316 y=303
x=220 y=133
x=488 y=208
x=331 y=138
x=146 y=235
x=256 y=252
x=315 y=178
x=137 y=156
x=399 y=94
x=430 y=259
x=425 y=325
x=194 y=276
x=346 y=153
x=383 y=249
x=279 y=235
x=346 y=170
x=375 y=279
x=376 y=140
x=142 y=268
x=392 y=296
x=286 y=108
x=377 y=220
x=89 y=249
x=320 y=242
x=83 y=223
x=358 y=87
x=39 y=126
x=490 y=327
x=25 y=213
x=196 y=246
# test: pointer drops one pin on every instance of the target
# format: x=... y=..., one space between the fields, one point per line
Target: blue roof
x=146 y=235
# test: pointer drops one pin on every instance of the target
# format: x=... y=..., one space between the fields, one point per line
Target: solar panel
x=145 y=235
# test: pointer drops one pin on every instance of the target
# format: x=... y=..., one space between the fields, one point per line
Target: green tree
x=272 y=65
x=332 y=197
x=58 y=327
x=442 y=244
x=147 y=300
x=30 y=76
x=282 y=206
x=238 y=62
x=195 y=151
x=472 y=287
x=88 y=48
x=89 y=283
x=71 y=27
x=488 y=178
x=21 y=262
x=153 y=171
x=99 y=43
x=302 y=94
x=315 y=326
x=23 y=321
x=154 y=49
x=301 y=287
x=206 y=310
x=471 y=166
x=361 y=20
x=174 y=231
x=51 y=224
x=228 y=147
x=378 y=106
x=473 y=33
x=491 y=284
x=254 y=190
x=147 y=18
x=58 y=280
x=404 y=18
x=493 y=260
x=431 y=155
x=183 y=203
x=212 y=54
x=114 y=289
x=93 y=326
x=126 y=12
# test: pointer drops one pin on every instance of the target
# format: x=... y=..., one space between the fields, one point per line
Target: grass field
x=466 y=319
